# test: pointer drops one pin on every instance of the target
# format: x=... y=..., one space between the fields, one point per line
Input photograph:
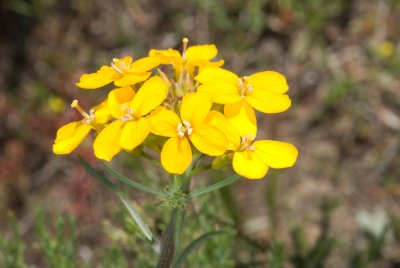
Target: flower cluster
x=197 y=106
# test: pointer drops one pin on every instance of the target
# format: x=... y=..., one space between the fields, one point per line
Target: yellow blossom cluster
x=187 y=98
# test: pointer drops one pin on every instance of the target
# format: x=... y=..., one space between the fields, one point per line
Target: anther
x=251 y=148
x=184 y=128
x=244 y=87
x=118 y=65
x=128 y=115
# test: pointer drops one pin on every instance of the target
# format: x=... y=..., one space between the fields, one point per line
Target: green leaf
x=132 y=183
x=215 y=186
x=135 y=215
x=276 y=255
x=196 y=243
x=132 y=211
x=98 y=175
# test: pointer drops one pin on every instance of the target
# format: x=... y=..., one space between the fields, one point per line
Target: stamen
x=184 y=128
x=185 y=41
x=251 y=148
x=246 y=143
x=75 y=105
x=244 y=87
x=128 y=115
x=114 y=66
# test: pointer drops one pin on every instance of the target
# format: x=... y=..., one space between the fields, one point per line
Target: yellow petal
x=201 y=53
x=102 y=113
x=195 y=108
x=169 y=56
x=164 y=122
x=209 y=140
x=248 y=165
x=145 y=64
x=176 y=155
x=67 y=130
x=127 y=60
x=269 y=81
x=102 y=77
x=131 y=78
x=117 y=97
x=268 y=102
x=219 y=76
x=219 y=121
x=276 y=154
x=152 y=93
x=242 y=117
x=106 y=145
x=134 y=133
x=221 y=93
x=204 y=64
x=70 y=136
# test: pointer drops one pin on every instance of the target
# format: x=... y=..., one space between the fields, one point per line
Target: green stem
x=171 y=244
x=167 y=244
x=178 y=223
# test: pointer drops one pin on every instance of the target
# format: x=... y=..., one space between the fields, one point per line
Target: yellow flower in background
x=386 y=49
x=72 y=134
x=131 y=127
x=251 y=159
x=123 y=72
x=191 y=57
x=264 y=91
x=56 y=104
x=190 y=126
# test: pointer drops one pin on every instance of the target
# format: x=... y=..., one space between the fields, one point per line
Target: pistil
x=87 y=118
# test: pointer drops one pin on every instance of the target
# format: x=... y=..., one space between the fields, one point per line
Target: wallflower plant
x=203 y=116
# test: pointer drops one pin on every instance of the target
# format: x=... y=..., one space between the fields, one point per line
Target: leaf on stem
x=196 y=243
x=132 y=211
x=215 y=186
x=132 y=183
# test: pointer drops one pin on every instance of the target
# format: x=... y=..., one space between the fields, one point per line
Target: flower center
x=246 y=143
x=128 y=113
x=87 y=118
x=245 y=88
x=184 y=128
x=119 y=65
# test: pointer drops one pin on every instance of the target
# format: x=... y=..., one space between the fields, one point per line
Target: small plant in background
x=12 y=249
x=193 y=117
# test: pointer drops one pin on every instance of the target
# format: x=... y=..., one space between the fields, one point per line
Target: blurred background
x=338 y=207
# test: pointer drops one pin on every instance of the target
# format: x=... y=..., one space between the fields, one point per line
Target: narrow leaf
x=105 y=181
x=132 y=183
x=196 y=243
x=98 y=175
x=215 y=186
x=135 y=215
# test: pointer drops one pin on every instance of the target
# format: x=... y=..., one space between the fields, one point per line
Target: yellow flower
x=191 y=126
x=265 y=91
x=123 y=72
x=72 y=134
x=386 y=49
x=131 y=127
x=251 y=159
x=195 y=56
